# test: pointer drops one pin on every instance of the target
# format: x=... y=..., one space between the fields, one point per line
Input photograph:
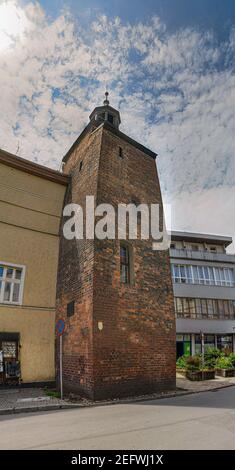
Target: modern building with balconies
x=203 y=276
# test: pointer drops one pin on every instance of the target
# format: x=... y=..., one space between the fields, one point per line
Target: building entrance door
x=9 y=358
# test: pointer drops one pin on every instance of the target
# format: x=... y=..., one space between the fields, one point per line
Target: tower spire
x=106 y=101
x=106 y=113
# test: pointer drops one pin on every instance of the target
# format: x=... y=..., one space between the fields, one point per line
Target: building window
x=110 y=118
x=182 y=273
x=209 y=342
x=183 y=345
x=225 y=343
x=11 y=284
x=204 y=308
x=120 y=152
x=208 y=275
x=80 y=166
x=124 y=264
x=70 y=308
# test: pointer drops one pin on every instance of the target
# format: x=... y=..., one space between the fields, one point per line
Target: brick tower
x=116 y=297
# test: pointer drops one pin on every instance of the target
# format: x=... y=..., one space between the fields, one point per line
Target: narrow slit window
x=124 y=264
x=120 y=152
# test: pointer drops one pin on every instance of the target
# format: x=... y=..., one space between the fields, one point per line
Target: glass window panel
x=179 y=305
x=222 y=276
x=183 y=273
x=185 y=305
x=226 y=308
x=225 y=343
x=7 y=292
x=9 y=273
x=189 y=274
x=192 y=306
x=221 y=308
x=179 y=337
x=1 y=271
x=206 y=272
x=211 y=275
x=209 y=342
x=204 y=307
x=232 y=276
x=187 y=338
x=217 y=276
x=201 y=274
x=198 y=348
x=210 y=308
x=176 y=270
x=215 y=308
x=195 y=274
x=16 y=292
x=18 y=273
x=198 y=307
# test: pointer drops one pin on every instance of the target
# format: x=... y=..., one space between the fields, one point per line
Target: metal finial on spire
x=106 y=101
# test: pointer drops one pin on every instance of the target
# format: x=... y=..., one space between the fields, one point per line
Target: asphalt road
x=200 y=421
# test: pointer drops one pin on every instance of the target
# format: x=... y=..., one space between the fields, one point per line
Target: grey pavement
x=198 y=421
x=18 y=399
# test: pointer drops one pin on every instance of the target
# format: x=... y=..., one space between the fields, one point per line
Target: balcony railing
x=202 y=255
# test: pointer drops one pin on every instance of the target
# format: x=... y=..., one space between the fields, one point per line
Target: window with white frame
x=11 y=284
x=187 y=274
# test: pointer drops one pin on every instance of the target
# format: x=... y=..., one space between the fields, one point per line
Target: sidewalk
x=205 y=385
x=19 y=400
x=23 y=400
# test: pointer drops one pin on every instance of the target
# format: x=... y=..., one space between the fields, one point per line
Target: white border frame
x=23 y=267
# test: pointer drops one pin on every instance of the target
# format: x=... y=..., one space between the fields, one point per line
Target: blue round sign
x=60 y=326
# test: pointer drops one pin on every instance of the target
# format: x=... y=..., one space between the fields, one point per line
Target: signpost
x=60 y=327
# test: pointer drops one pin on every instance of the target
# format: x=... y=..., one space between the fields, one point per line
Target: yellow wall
x=30 y=210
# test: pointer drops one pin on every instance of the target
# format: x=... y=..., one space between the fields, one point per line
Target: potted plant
x=196 y=370
x=225 y=367
x=193 y=368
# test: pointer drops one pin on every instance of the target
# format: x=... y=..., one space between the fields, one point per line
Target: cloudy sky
x=169 y=67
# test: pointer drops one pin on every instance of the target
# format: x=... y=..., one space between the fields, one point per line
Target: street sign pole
x=61 y=367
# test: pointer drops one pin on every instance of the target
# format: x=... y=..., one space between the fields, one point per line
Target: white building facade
x=203 y=276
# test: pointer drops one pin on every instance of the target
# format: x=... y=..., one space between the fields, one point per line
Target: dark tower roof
x=106 y=113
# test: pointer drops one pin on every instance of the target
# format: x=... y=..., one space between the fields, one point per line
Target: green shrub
x=232 y=358
x=193 y=363
x=210 y=357
x=224 y=363
x=181 y=362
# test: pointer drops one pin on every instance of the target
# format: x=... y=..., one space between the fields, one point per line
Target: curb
x=11 y=411
x=69 y=406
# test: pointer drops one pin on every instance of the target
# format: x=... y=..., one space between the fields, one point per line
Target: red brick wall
x=135 y=351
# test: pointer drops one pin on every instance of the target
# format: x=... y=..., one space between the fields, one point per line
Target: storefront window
x=198 y=344
x=225 y=343
x=183 y=345
x=209 y=342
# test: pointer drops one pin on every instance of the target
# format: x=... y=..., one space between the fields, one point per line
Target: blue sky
x=169 y=67
x=216 y=14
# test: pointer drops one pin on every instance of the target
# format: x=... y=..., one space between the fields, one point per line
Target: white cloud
x=176 y=94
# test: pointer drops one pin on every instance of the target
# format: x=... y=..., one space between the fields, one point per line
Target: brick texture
x=134 y=353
